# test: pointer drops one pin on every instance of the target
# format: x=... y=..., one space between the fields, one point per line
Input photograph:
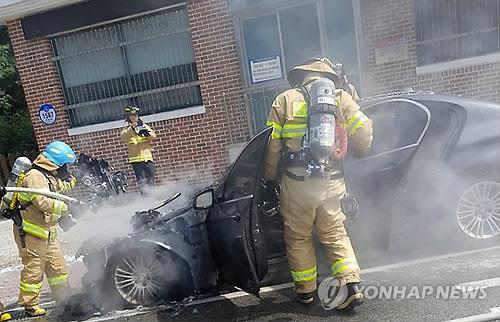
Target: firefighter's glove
x=60 y=209
x=66 y=222
x=270 y=191
x=350 y=206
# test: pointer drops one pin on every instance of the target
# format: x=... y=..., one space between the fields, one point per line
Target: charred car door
x=399 y=125
x=233 y=223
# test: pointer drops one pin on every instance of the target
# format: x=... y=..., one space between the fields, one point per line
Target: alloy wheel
x=138 y=279
x=478 y=210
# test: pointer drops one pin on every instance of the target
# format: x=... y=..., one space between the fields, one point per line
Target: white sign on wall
x=391 y=50
x=265 y=69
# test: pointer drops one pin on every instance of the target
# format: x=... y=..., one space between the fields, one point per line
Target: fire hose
x=65 y=222
x=43 y=192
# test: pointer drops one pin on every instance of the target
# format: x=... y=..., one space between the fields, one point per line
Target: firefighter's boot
x=5 y=317
x=354 y=298
x=35 y=311
x=306 y=298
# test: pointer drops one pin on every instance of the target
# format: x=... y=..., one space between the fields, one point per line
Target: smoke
x=409 y=201
x=112 y=218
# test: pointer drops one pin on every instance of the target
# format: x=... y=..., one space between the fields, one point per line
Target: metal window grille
x=146 y=61
x=257 y=103
x=453 y=29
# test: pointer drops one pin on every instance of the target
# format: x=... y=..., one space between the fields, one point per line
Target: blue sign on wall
x=47 y=114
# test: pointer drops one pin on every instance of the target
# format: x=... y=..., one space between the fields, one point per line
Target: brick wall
x=194 y=146
x=385 y=19
x=40 y=82
x=478 y=81
x=218 y=65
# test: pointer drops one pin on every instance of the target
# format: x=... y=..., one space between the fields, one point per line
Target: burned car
x=432 y=166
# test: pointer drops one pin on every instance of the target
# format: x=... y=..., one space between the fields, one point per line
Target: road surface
x=461 y=286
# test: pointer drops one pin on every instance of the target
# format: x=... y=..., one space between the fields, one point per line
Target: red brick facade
x=199 y=143
x=385 y=19
x=194 y=146
x=40 y=82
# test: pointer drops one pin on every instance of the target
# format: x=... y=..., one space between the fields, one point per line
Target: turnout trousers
x=314 y=205
x=38 y=258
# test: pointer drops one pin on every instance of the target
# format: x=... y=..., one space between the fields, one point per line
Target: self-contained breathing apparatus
x=325 y=143
x=318 y=144
x=10 y=207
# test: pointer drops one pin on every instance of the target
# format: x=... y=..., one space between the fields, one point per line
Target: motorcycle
x=98 y=179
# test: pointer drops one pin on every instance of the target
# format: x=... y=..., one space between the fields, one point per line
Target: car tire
x=145 y=276
x=427 y=222
x=475 y=211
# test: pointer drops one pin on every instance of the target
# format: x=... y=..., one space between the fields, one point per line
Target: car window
x=243 y=176
x=396 y=124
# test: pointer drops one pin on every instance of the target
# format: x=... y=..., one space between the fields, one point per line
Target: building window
x=287 y=34
x=454 y=29
x=277 y=42
x=146 y=61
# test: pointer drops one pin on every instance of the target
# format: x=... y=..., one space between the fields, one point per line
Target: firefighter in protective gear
x=4 y=316
x=42 y=254
x=139 y=136
x=313 y=203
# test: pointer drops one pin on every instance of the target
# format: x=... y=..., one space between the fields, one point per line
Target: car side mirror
x=204 y=199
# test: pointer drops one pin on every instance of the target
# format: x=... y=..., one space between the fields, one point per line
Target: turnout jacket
x=139 y=147
x=288 y=119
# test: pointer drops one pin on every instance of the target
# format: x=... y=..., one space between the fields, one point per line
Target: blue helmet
x=59 y=153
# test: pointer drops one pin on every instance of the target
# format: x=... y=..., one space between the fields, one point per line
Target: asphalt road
x=441 y=288
x=423 y=275
x=431 y=273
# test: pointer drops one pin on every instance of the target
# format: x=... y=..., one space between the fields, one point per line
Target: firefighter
x=308 y=203
x=138 y=137
x=41 y=214
x=4 y=316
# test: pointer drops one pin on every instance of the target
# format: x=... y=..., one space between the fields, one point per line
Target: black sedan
x=431 y=176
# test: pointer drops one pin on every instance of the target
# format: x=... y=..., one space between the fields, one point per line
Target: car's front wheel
x=146 y=276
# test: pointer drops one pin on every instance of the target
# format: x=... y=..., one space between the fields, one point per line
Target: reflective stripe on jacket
x=139 y=147
x=41 y=213
x=288 y=119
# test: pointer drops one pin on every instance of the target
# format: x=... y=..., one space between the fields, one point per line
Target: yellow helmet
x=131 y=109
x=321 y=65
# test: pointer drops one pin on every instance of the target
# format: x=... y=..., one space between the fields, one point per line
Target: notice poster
x=265 y=69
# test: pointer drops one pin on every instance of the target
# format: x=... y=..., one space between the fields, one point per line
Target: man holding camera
x=139 y=136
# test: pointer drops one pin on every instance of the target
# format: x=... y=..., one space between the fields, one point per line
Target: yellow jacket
x=288 y=118
x=42 y=213
x=139 y=147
